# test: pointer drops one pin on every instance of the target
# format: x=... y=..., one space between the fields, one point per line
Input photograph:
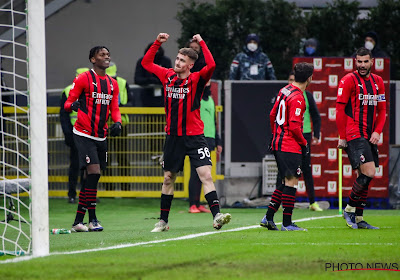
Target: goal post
x=24 y=213
x=38 y=127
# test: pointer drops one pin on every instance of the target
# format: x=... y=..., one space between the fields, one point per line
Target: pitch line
x=185 y=237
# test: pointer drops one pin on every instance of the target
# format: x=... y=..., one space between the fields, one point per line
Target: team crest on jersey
x=362 y=158
x=298 y=112
x=298 y=171
x=87 y=159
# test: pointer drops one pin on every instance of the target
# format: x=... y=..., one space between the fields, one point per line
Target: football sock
x=359 y=186
x=91 y=194
x=82 y=205
x=362 y=202
x=275 y=202
x=166 y=201
x=288 y=199
x=213 y=202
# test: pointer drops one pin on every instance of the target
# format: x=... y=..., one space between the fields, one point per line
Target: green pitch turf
x=250 y=253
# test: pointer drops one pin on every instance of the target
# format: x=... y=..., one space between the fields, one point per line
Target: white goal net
x=23 y=130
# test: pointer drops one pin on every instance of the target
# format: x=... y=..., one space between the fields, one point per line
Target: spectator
x=310 y=48
x=371 y=42
x=200 y=62
x=67 y=124
x=252 y=63
x=151 y=95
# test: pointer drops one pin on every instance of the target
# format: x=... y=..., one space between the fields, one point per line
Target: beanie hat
x=252 y=36
x=373 y=35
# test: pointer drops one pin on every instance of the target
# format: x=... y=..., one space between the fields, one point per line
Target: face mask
x=369 y=45
x=252 y=47
x=310 y=50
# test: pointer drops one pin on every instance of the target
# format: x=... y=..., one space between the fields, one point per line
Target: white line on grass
x=185 y=237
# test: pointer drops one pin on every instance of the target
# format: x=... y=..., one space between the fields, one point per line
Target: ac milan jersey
x=286 y=119
x=97 y=97
x=363 y=99
x=181 y=96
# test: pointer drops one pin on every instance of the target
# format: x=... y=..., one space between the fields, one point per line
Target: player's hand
x=197 y=38
x=75 y=106
x=374 y=138
x=270 y=143
x=115 y=129
x=305 y=150
x=314 y=141
x=342 y=144
x=219 y=149
x=162 y=37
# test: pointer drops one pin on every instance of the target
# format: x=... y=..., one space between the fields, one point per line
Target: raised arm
x=207 y=71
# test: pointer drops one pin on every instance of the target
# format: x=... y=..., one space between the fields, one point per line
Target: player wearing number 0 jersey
x=288 y=145
x=182 y=94
x=286 y=120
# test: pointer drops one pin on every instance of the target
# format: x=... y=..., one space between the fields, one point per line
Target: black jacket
x=143 y=77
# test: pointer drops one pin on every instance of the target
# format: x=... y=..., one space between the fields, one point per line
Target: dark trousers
x=73 y=171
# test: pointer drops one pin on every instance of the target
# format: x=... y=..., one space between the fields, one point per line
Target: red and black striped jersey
x=286 y=120
x=181 y=96
x=97 y=96
x=359 y=100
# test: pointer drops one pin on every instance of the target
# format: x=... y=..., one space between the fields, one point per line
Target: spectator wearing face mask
x=252 y=63
x=310 y=48
x=371 y=42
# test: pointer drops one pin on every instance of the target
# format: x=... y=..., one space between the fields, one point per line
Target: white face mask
x=369 y=45
x=252 y=47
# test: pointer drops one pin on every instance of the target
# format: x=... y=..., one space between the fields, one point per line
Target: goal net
x=23 y=130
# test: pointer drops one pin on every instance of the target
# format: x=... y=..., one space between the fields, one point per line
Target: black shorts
x=177 y=147
x=289 y=164
x=91 y=151
x=361 y=151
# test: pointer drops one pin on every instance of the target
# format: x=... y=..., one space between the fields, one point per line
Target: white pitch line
x=185 y=237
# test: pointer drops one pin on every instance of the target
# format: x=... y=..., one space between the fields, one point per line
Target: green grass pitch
x=248 y=253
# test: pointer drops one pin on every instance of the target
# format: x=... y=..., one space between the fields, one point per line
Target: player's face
x=182 y=63
x=364 y=64
x=102 y=59
x=195 y=46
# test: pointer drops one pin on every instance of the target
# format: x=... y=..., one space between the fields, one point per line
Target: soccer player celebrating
x=360 y=117
x=182 y=94
x=288 y=145
x=93 y=95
